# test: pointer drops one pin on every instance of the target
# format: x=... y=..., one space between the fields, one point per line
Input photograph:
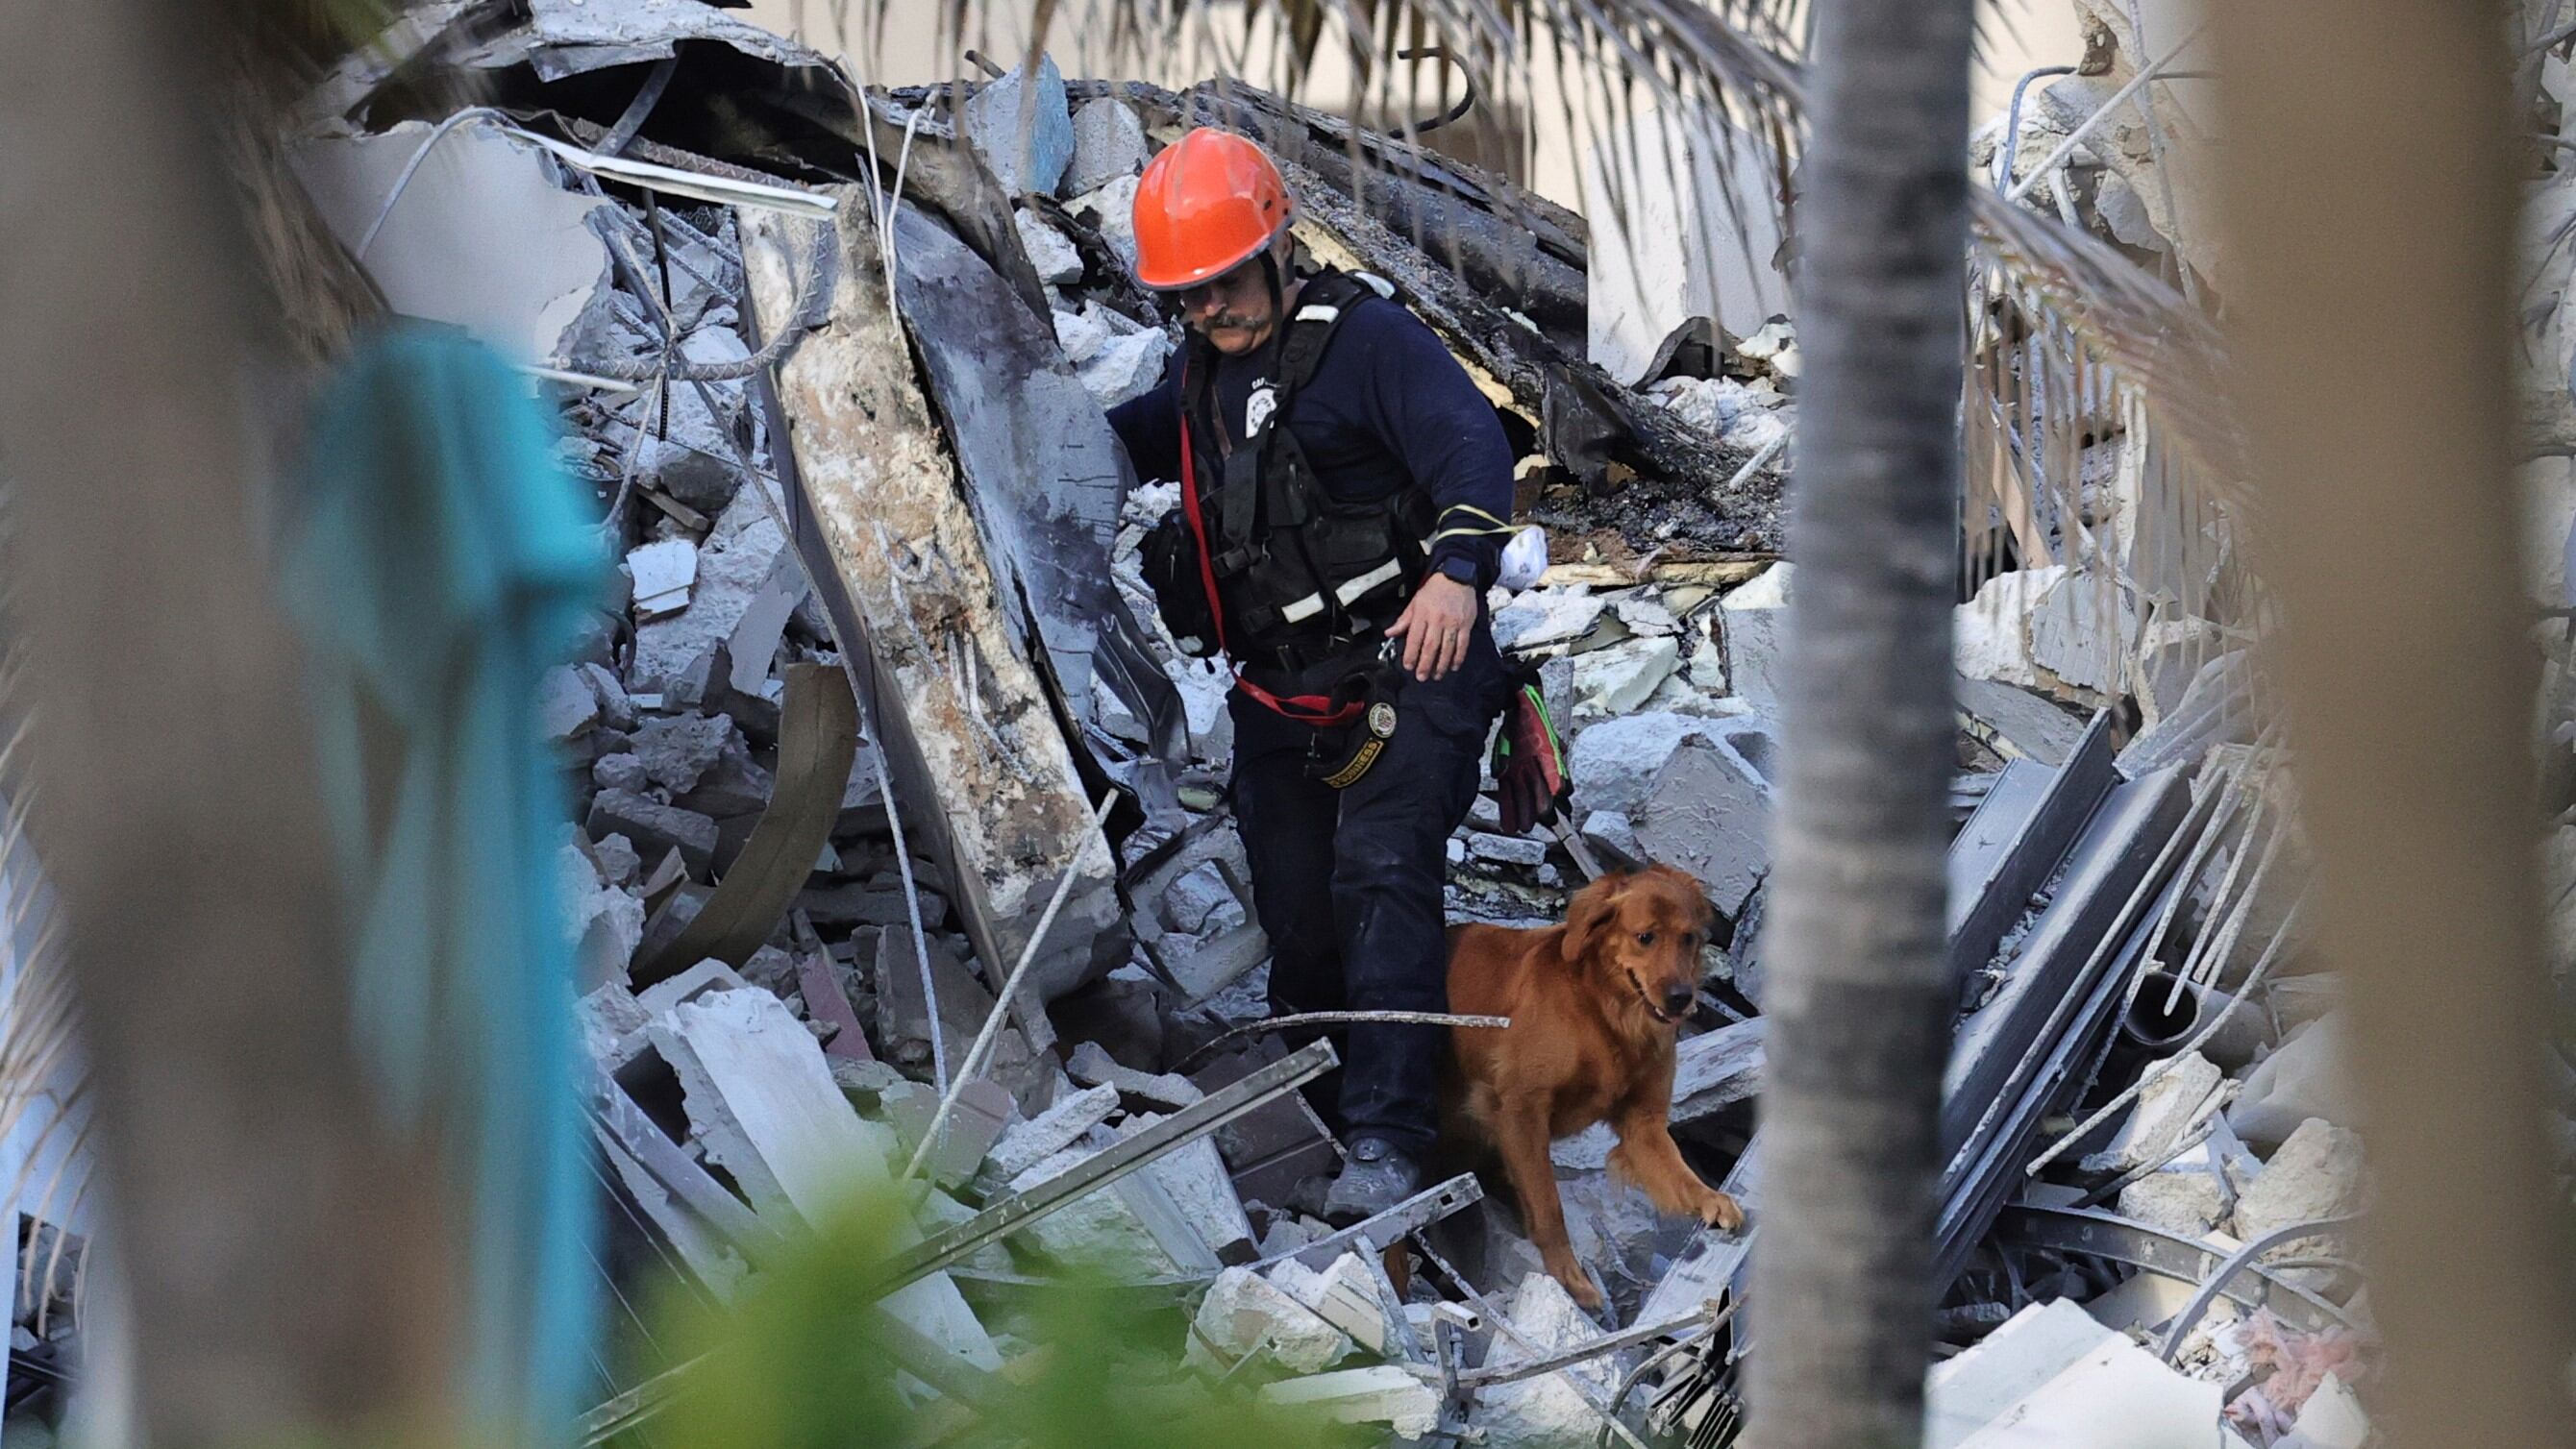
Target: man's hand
x=1435 y=626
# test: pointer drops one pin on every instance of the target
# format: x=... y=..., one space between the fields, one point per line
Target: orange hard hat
x=1211 y=201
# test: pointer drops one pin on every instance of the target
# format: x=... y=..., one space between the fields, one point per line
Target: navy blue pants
x=1347 y=883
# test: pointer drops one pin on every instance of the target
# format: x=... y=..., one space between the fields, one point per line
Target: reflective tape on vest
x=1349 y=593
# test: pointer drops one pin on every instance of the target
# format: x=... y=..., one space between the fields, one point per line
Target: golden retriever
x=1596 y=1007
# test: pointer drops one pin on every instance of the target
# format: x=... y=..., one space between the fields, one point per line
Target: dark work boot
x=1377 y=1177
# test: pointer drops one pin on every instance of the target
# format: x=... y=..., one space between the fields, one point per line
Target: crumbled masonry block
x=1219 y=960
x=1507 y=849
x=1163 y=1091
x=1050 y=251
x=1617 y=679
x=662 y=574
x=654 y=827
x=762 y=1100
x=565 y=705
x=1545 y=1411
x=1387 y=1394
x=1344 y=1295
x=1540 y=619
x=1100 y=1231
x=676 y=750
x=2316 y=1174
x=1194 y=1179
x=1244 y=1314
x=1108 y=143
x=2165 y=1110
x=1709 y=815
x=1051 y=1132
x=620 y=772
x=1021 y=127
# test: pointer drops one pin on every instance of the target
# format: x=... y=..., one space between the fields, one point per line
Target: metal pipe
x=2011 y=141
x=2172 y=1011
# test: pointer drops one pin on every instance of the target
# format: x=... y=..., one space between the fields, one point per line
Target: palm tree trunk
x=1859 y=1002
x=2369 y=198
x=287 y=1275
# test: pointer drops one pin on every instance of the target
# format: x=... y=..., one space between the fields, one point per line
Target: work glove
x=1528 y=762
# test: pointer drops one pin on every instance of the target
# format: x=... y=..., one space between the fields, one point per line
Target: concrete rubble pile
x=884 y=640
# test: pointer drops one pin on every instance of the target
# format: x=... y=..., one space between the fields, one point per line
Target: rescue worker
x=1346 y=493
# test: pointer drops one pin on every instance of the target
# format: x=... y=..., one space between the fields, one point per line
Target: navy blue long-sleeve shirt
x=1387 y=405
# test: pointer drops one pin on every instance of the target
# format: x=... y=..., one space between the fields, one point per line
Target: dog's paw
x=1578 y=1283
x=1722 y=1212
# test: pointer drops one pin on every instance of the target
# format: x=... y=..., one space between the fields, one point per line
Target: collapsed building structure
x=902 y=842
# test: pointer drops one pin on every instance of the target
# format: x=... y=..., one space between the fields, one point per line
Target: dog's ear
x=1589 y=915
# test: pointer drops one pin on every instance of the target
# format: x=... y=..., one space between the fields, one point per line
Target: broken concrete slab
x=1025 y=1144
x=1546 y=1410
x=2316 y=1174
x=1617 y=679
x=2164 y=1112
x=565 y=705
x=676 y=749
x=904 y=569
x=1344 y=1295
x=763 y=1103
x=1102 y=1232
x=1389 y=1394
x=1709 y=814
x=1147 y=1091
x=1613 y=763
x=1540 y=618
x=1021 y=127
x=1220 y=960
x=1124 y=368
x=1684 y=228
x=2187 y=1203
x=1245 y=1314
x=2051 y=1375
x=1755 y=621
x=1108 y=143
x=661 y=575
x=1050 y=251
x=654 y=827
x=1194 y=1179
x=481 y=237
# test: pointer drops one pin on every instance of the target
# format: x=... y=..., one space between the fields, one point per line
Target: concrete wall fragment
x=875 y=505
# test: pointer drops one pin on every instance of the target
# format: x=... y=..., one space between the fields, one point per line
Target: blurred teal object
x=437 y=563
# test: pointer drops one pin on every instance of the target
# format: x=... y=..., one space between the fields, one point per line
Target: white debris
x=2051 y=1375
x=1113 y=204
x=1081 y=334
x=1022 y=128
x=1543 y=617
x=1050 y=251
x=1545 y=1411
x=565 y=703
x=1619 y=678
x=1245 y=1314
x=2164 y=1112
x=1344 y=1295
x=1126 y=367
x=1388 y=1394
x=2316 y=1174
x=1108 y=143
x=662 y=573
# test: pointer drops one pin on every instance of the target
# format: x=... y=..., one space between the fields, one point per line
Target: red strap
x=1198 y=527
x=1310 y=709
